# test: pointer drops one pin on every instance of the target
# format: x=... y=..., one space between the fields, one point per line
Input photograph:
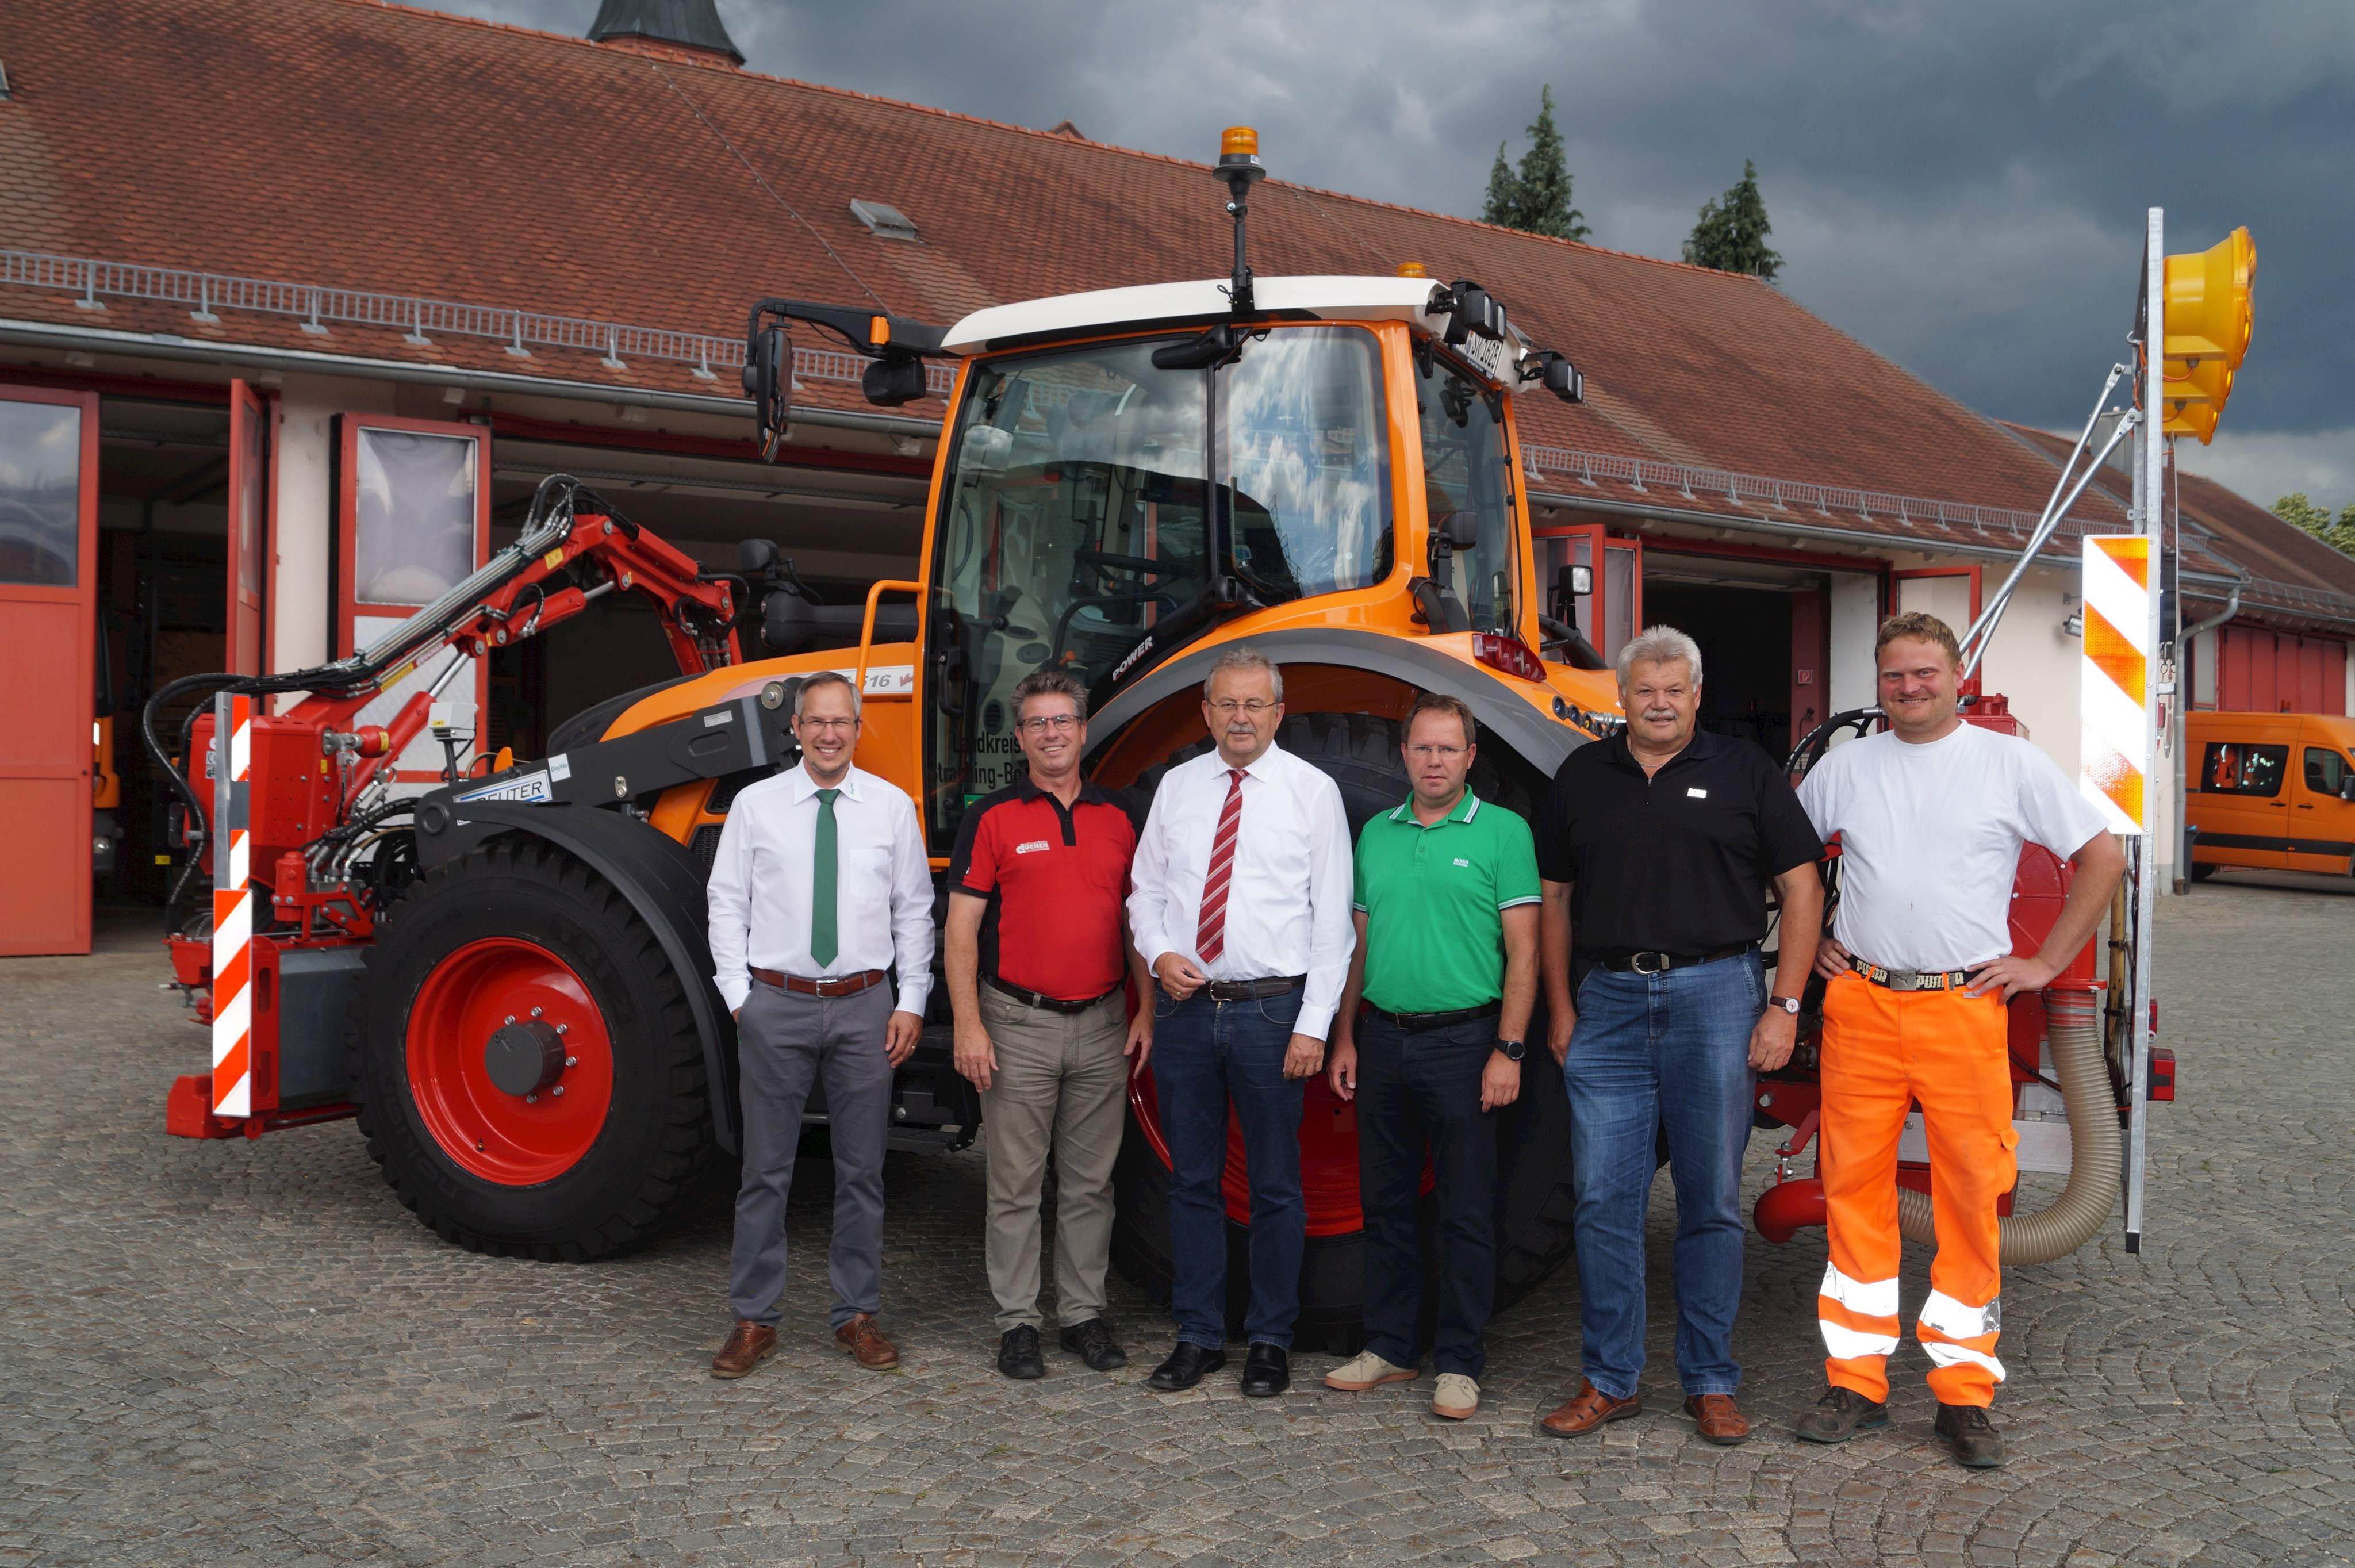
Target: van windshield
x=1079 y=519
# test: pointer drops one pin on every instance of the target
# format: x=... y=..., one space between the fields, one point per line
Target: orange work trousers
x=1883 y=1049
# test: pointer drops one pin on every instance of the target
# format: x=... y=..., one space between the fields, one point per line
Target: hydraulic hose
x=2097 y=1148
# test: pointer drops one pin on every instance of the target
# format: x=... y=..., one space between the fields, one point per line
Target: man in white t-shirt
x=1931 y=815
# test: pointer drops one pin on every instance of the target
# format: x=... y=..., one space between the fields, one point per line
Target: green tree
x=1537 y=199
x=1732 y=234
x=2300 y=513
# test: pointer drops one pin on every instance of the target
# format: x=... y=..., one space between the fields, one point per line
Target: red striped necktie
x=1211 y=936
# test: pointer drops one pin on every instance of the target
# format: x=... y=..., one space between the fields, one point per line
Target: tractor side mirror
x=768 y=379
x=1460 y=529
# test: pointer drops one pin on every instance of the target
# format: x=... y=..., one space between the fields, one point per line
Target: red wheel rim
x=1328 y=1156
x=499 y=1136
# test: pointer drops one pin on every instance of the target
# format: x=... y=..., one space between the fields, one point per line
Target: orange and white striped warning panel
x=2115 y=742
x=232 y=908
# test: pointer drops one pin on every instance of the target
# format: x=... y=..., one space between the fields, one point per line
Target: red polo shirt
x=1055 y=880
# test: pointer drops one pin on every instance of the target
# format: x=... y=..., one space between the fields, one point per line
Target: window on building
x=2234 y=767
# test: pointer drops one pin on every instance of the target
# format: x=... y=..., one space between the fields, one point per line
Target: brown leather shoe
x=866 y=1343
x=748 y=1346
x=1717 y=1418
x=1589 y=1409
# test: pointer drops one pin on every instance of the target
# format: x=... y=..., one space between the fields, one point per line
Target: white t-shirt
x=1930 y=841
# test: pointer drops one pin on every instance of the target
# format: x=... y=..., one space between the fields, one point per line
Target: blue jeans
x=1651 y=1050
x=1205 y=1054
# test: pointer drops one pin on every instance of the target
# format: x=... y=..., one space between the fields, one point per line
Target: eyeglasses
x=1229 y=707
x=806 y=724
x=1059 y=722
x=1435 y=753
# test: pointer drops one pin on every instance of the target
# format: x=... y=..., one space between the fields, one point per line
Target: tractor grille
x=706 y=847
x=731 y=785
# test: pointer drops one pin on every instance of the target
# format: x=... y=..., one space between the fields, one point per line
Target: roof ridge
x=1062 y=141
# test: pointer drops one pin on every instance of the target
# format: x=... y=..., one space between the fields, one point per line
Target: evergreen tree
x=2300 y=513
x=1732 y=234
x=1537 y=199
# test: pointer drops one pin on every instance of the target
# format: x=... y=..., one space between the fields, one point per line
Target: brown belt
x=840 y=985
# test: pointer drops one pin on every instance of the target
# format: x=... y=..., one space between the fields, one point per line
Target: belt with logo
x=1625 y=962
x=839 y=985
x=1253 y=990
x=1041 y=999
x=1422 y=1023
x=1911 y=979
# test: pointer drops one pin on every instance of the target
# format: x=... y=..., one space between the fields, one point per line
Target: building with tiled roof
x=377 y=219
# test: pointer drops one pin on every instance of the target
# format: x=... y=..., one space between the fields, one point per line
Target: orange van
x=2276 y=790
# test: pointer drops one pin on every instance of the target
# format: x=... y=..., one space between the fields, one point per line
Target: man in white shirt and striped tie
x=1241 y=899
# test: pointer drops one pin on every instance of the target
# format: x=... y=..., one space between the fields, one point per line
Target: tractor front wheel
x=529 y=1074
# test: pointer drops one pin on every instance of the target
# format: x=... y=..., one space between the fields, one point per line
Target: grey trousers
x=1058 y=1084
x=785 y=1042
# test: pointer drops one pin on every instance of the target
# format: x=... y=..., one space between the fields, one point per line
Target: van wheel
x=2200 y=871
x=1535 y=1204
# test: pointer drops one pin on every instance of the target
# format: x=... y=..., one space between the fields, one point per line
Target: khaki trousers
x=1058 y=1086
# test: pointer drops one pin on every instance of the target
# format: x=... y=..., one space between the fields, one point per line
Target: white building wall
x=1855 y=617
x=2036 y=664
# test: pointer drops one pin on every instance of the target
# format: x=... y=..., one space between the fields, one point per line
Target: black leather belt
x=1041 y=999
x=1253 y=990
x=1424 y=1023
x=1628 y=962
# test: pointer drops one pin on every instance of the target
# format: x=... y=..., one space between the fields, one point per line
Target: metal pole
x=2148 y=478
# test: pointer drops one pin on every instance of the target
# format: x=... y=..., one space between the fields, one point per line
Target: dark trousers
x=1204 y=1055
x=787 y=1041
x=1419 y=1095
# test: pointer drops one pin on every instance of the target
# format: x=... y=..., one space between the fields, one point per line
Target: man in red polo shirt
x=1038 y=946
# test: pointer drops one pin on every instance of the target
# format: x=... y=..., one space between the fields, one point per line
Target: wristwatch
x=1787 y=1003
x=1514 y=1050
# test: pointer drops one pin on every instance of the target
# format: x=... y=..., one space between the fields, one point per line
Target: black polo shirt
x=1678 y=862
x=1055 y=880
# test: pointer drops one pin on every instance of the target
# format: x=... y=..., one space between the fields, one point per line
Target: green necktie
x=822 y=941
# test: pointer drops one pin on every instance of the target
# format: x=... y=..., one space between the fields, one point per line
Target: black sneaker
x=1839 y=1415
x=1092 y=1341
x=1977 y=1444
x=1017 y=1353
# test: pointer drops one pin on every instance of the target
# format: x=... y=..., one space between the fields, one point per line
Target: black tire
x=655 y=1145
x=1534 y=1201
x=2201 y=871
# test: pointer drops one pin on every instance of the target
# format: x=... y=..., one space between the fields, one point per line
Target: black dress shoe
x=1093 y=1343
x=1186 y=1365
x=1017 y=1353
x=1267 y=1371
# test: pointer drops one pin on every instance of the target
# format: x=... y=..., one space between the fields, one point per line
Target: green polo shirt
x=1433 y=898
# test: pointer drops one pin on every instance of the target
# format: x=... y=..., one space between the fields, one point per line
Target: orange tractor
x=505 y=979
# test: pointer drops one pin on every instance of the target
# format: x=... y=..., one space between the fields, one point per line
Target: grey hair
x=1243 y=657
x=826 y=678
x=1659 y=644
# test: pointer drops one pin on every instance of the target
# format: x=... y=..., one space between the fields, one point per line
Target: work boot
x=1977 y=1444
x=867 y=1344
x=1092 y=1341
x=1368 y=1371
x=1588 y=1409
x=748 y=1344
x=1017 y=1353
x=1839 y=1415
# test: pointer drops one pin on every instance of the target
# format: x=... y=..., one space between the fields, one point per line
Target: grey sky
x=1960 y=186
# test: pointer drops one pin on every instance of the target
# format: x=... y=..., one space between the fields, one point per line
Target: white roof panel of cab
x=1320 y=298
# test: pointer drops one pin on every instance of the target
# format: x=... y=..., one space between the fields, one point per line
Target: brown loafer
x=1717 y=1418
x=866 y=1343
x=1589 y=1409
x=748 y=1344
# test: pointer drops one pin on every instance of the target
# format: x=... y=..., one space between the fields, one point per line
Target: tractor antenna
x=1239 y=165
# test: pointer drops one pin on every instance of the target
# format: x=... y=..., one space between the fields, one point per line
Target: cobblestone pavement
x=248 y=1352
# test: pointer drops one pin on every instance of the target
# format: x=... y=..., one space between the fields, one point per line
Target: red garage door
x=2259 y=671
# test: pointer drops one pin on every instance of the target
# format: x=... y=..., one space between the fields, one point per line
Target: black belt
x=1422 y=1023
x=1253 y=990
x=1626 y=961
x=1041 y=999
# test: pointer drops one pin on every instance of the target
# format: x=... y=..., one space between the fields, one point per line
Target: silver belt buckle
x=1636 y=963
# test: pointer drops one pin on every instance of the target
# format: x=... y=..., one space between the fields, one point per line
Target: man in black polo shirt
x=1656 y=848
x=1038 y=946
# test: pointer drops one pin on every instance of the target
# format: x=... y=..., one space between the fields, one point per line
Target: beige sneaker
x=1456 y=1398
x=1368 y=1371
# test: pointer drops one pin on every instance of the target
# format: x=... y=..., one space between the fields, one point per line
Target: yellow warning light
x=1238 y=140
x=1413 y=269
x=2209 y=325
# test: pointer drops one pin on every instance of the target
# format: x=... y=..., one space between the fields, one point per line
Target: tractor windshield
x=1083 y=520
x=1465 y=469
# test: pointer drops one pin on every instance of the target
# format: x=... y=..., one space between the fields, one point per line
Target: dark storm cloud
x=1959 y=185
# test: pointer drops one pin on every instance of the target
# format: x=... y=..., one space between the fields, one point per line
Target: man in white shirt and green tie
x=819 y=889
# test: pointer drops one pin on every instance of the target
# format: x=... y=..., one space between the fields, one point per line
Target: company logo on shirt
x=1035 y=845
x=1461 y=861
x=1696 y=795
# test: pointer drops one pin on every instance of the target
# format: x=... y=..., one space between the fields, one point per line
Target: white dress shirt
x=1288 y=898
x=760 y=887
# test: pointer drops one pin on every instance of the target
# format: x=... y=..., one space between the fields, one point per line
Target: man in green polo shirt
x=1446 y=967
